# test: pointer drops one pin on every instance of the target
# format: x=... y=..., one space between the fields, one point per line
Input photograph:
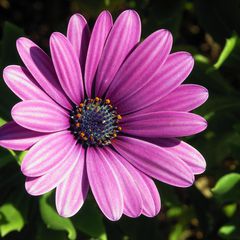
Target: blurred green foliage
x=208 y=210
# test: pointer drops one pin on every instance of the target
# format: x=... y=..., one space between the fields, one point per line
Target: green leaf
x=228 y=48
x=10 y=219
x=2 y=121
x=230 y=209
x=227 y=188
x=53 y=220
x=229 y=231
x=20 y=157
x=90 y=221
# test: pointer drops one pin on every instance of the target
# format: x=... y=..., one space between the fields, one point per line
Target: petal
x=104 y=184
x=151 y=203
x=141 y=66
x=151 y=200
x=67 y=67
x=131 y=194
x=149 y=192
x=41 y=67
x=163 y=124
x=40 y=116
x=184 y=98
x=15 y=137
x=163 y=81
x=155 y=161
x=48 y=154
x=40 y=185
x=78 y=34
x=98 y=38
x=181 y=149
x=124 y=35
x=72 y=192
x=20 y=81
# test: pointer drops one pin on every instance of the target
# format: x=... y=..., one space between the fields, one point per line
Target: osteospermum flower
x=104 y=111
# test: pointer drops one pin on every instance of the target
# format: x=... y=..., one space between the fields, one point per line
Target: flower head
x=104 y=111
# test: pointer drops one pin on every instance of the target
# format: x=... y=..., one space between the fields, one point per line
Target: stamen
x=119 y=117
x=95 y=122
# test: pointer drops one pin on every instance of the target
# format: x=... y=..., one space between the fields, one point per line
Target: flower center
x=95 y=122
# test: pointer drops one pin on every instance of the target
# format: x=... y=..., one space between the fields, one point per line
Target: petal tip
x=29 y=188
x=105 y=13
x=77 y=17
x=26 y=170
x=201 y=169
x=205 y=94
x=114 y=218
x=151 y=212
x=189 y=58
x=129 y=13
x=63 y=213
x=13 y=111
x=55 y=35
x=22 y=42
x=188 y=182
x=6 y=72
x=204 y=124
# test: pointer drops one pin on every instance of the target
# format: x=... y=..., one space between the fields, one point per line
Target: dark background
x=208 y=210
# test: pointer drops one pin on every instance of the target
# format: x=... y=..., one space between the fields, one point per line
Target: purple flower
x=104 y=111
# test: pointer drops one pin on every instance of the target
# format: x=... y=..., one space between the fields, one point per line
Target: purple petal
x=155 y=161
x=163 y=124
x=48 y=154
x=67 y=67
x=184 y=98
x=123 y=37
x=20 y=81
x=15 y=137
x=72 y=192
x=153 y=207
x=131 y=194
x=41 y=67
x=163 y=81
x=151 y=203
x=181 y=149
x=40 y=185
x=104 y=184
x=141 y=67
x=40 y=116
x=99 y=35
x=78 y=34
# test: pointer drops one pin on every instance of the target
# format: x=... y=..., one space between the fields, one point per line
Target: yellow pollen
x=77 y=125
x=119 y=117
x=85 y=138
x=78 y=115
x=97 y=99
x=81 y=105
x=107 y=101
x=120 y=128
x=114 y=135
x=82 y=134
